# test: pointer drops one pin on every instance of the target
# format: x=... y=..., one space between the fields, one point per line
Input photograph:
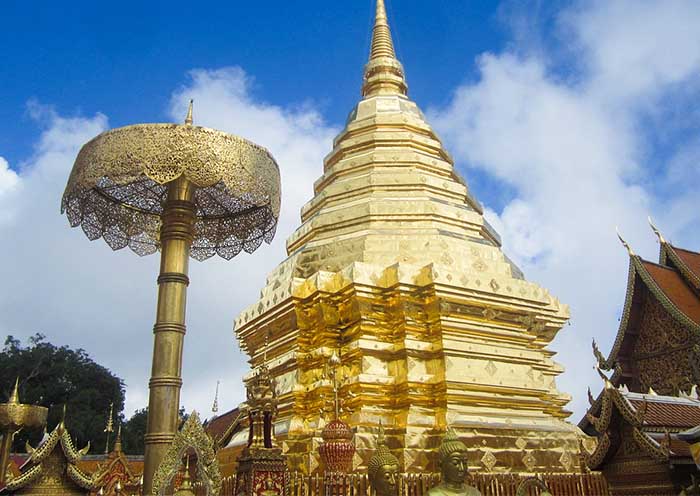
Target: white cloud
x=575 y=152
x=84 y=295
x=9 y=182
x=577 y=155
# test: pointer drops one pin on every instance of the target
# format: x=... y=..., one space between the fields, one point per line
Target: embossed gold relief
x=395 y=267
x=190 y=437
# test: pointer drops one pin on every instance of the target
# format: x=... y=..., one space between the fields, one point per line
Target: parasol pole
x=177 y=233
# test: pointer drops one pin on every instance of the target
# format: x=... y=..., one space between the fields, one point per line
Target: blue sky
x=567 y=119
x=125 y=60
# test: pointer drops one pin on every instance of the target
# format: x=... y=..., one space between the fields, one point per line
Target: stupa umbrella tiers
x=184 y=190
x=15 y=416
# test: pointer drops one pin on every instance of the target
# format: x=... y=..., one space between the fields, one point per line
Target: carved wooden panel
x=662 y=351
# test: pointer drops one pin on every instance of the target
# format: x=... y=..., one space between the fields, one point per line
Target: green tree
x=54 y=376
x=135 y=428
x=133 y=431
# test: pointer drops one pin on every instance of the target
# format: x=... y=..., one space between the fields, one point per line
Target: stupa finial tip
x=188 y=119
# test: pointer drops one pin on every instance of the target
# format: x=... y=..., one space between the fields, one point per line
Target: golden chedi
x=395 y=267
x=453 y=463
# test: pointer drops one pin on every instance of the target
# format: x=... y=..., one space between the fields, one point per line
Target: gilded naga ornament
x=452 y=460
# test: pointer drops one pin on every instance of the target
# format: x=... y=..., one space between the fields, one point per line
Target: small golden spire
x=188 y=119
x=215 y=406
x=63 y=416
x=109 y=428
x=656 y=231
x=333 y=363
x=383 y=73
x=625 y=243
x=118 y=440
x=14 y=396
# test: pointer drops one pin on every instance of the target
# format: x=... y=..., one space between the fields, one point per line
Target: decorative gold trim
x=668 y=305
x=624 y=321
x=670 y=252
x=595 y=459
x=651 y=447
x=191 y=436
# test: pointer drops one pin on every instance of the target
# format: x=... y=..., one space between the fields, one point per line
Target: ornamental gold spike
x=14 y=396
x=662 y=240
x=188 y=119
x=384 y=74
x=625 y=243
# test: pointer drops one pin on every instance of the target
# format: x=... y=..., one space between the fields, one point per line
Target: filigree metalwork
x=191 y=436
x=117 y=188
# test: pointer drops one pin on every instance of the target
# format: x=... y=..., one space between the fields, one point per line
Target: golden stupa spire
x=383 y=73
x=382 y=44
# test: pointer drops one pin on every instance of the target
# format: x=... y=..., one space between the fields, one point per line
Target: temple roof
x=222 y=427
x=665 y=282
x=670 y=285
x=38 y=465
x=666 y=411
x=654 y=423
x=675 y=288
x=685 y=261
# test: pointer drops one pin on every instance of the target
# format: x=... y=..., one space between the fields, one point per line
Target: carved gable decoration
x=191 y=437
x=52 y=468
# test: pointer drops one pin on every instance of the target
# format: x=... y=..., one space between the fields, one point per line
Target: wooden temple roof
x=690 y=259
x=222 y=427
x=664 y=284
x=651 y=421
x=675 y=288
x=660 y=318
x=666 y=412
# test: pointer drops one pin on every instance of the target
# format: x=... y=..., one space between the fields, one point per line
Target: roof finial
x=625 y=243
x=215 y=406
x=656 y=231
x=606 y=380
x=14 y=396
x=118 y=440
x=188 y=119
x=383 y=73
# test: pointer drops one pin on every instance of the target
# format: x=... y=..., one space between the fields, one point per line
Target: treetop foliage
x=54 y=376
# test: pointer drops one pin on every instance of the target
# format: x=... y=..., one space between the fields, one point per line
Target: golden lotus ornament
x=187 y=191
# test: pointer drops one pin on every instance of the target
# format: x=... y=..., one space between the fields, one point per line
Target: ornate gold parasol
x=15 y=416
x=188 y=191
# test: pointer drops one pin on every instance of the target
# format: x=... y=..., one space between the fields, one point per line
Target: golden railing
x=591 y=484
